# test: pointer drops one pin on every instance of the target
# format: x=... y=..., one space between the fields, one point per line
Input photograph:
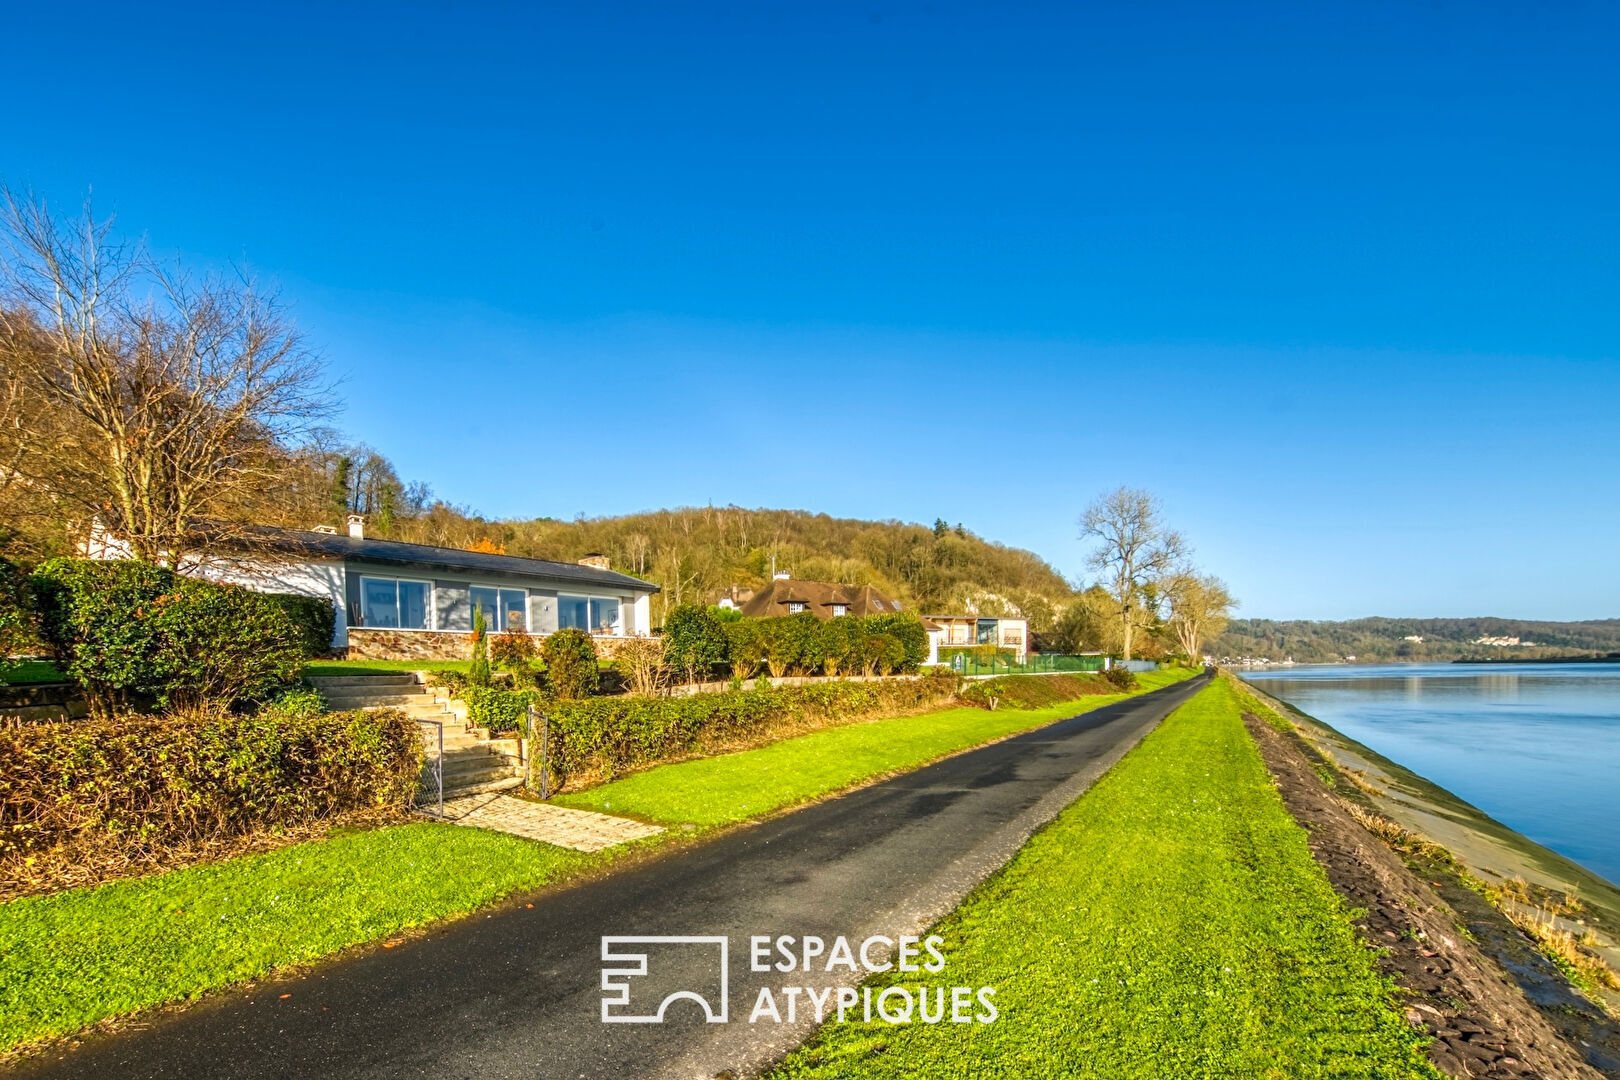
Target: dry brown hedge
x=136 y=792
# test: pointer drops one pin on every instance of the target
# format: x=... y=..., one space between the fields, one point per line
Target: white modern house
x=946 y=632
x=399 y=601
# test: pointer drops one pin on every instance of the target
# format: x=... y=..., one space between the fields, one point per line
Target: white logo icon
x=616 y=980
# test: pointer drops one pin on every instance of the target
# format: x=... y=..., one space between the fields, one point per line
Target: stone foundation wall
x=369 y=643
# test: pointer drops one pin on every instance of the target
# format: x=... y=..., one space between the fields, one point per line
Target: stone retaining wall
x=371 y=643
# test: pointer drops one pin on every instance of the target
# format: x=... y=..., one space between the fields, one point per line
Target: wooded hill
x=1386 y=639
x=696 y=553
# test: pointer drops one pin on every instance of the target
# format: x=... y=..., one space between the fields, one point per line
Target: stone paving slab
x=582 y=830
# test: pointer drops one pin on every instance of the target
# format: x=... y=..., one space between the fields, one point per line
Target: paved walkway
x=582 y=830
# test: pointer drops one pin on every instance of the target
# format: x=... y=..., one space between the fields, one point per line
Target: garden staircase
x=474 y=763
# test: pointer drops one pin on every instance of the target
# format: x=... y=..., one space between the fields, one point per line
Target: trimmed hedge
x=131 y=790
x=134 y=634
x=499 y=710
x=314 y=617
x=698 y=643
x=597 y=738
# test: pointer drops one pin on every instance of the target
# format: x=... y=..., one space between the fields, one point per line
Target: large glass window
x=595 y=614
x=987 y=631
x=604 y=615
x=573 y=612
x=504 y=609
x=392 y=604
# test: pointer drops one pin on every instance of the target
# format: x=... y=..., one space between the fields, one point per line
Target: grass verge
x=735 y=787
x=1170 y=923
x=77 y=957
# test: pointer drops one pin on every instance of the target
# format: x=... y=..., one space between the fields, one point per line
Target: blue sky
x=1339 y=283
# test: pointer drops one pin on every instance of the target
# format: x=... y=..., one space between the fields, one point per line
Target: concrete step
x=336 y=682
x=463 y=765
x=477 y=776
x=485 y=788
x=375 y=701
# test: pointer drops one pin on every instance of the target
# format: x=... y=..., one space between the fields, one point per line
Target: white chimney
x=781 y=575
x=357 y=526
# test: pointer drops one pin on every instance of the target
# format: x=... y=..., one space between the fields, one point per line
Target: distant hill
x=1391 y=639
x=695 y=553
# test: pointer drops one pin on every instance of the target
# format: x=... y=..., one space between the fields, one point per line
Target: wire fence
x=967 y=662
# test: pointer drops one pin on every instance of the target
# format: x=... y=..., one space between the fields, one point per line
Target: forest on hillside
x=1372 y=639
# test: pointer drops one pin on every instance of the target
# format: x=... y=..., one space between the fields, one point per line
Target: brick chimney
x=357 y=526
x=595 y=559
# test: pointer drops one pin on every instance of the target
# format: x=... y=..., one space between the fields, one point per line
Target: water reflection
x=1536 y=746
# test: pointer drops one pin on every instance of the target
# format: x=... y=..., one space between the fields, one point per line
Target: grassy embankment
x=1170 y=923
x=80 y=956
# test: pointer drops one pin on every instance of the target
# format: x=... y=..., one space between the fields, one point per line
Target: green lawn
x=381 y=667
x=735 y=787
x=32 y=671
x=1171 y=923
x=76 y=957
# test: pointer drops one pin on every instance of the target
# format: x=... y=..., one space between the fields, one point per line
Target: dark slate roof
x=328 y=546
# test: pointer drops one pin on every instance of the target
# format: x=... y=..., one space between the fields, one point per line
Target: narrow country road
x=518 y=992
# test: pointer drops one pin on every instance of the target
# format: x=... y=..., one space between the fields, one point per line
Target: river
x=1536 y=746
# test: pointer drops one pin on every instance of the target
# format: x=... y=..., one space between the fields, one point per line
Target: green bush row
x=135 y=635
x=135 y=787
x=699 y=645
x=602 y=737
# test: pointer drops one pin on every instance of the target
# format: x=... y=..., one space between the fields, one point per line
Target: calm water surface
x=1536 y=746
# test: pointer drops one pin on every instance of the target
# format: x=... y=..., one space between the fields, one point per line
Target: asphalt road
x=518 y=992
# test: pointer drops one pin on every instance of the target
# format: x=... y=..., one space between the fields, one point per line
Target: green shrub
x=133 y=635
x=314 y=617
x=884 y=654
x=745 y=648
x=17 y=615
x=908 y=630
x=128 y=791
x=478 y=671
x=789 y=640
x=841 y=644
x=695 y=642
x=454 y=683
x=601 y=737
x=1121 y=678
x=571 y=668
x=510 y=651
x=499 y=710
x=297 y=703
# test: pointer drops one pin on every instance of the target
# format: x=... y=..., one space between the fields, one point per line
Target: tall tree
x=168 y=403
x=1133 y=548
x=1199 y=607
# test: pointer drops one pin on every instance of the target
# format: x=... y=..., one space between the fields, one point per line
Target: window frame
x=430 y=607
x=591 y=600
x=493 y=619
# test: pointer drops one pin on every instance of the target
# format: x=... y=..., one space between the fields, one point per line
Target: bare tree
x=174 y=400
x=1134 y=547
x=1199 y=607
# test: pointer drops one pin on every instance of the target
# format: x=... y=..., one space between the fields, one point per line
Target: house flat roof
x=400 y=553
